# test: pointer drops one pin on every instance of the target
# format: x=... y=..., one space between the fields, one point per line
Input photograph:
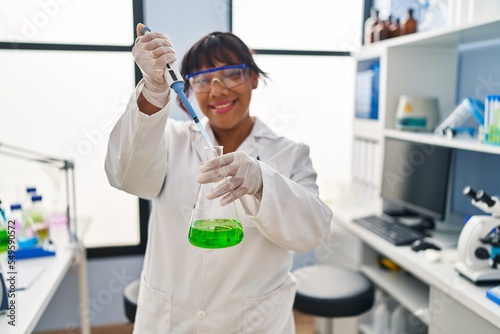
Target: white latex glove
x=152 y=52
x=242 y=172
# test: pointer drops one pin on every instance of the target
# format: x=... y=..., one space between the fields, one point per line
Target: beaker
x=213 y=225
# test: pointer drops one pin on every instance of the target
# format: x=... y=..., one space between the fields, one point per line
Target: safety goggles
x=229 y=76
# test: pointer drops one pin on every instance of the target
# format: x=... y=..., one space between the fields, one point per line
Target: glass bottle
x=370 y=24
x=213 y=225
x=380 y=31
x=26 y=236
x=410 y=24
x=395 y=29
x=38 y=215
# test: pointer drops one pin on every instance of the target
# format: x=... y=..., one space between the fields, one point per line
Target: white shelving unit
x=422 y=64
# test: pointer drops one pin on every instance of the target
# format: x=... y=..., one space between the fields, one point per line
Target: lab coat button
x=201 y=315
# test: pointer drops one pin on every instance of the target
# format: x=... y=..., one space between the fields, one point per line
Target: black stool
x=332 y=292
x=130 y=296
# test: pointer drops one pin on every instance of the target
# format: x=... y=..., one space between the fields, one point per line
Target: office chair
x=130 y=296
x=332 y=292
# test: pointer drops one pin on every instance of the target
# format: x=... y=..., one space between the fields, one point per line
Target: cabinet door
x=450 y=317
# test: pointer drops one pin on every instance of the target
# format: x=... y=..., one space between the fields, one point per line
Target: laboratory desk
x=431 y=290
x=31 y=302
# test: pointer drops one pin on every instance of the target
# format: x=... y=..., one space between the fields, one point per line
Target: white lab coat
x=247 y=288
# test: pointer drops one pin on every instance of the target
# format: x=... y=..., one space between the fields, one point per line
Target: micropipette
x=174 y=80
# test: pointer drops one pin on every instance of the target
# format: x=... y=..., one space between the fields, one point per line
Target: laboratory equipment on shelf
x=417 y=113
x=213 y=225
x=489 y=131
x=410 y=24
x=466 y=118
x=369 y=26
x=479 y=241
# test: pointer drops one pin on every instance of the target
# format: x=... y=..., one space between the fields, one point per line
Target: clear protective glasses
x=229 y=76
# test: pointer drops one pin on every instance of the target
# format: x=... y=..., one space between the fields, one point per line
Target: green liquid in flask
x=215 y=233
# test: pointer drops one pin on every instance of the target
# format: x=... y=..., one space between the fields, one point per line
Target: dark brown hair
x=222 y=47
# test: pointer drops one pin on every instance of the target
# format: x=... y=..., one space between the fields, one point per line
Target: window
x=305 y=47
x=67 y=22
x=65 y=83
x=297 y=25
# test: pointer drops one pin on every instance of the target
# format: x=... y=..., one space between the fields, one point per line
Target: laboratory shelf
x=368 y=128
x=465 y=143
x=422 y=64
x=464 y=34
x=408 y=291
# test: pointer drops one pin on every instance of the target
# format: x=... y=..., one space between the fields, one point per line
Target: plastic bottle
x=410 y=25
x=399 y=320
x=38 y=215
x=380 y=297
x=25 y=233
x=381 y=316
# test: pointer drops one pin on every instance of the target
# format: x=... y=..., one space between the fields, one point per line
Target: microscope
x=479 y=241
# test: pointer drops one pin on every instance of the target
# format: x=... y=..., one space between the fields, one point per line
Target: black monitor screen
x=415 y=176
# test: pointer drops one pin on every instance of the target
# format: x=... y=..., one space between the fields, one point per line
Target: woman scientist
x=247 y=288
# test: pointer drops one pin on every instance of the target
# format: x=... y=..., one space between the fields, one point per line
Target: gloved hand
x=152 y=52
x=242 y=172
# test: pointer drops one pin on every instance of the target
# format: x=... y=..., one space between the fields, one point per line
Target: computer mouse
x=423 y=244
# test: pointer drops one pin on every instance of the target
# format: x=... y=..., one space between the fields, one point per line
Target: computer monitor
x=415 y=178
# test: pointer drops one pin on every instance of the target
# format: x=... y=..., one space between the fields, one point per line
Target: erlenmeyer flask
x=213 y=225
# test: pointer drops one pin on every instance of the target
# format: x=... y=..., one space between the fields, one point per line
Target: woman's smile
x=222 y=107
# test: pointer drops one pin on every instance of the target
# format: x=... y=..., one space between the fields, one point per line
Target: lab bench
x=432 y=291
x=31 y=302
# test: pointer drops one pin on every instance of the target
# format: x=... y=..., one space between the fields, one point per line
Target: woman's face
x=227 y=108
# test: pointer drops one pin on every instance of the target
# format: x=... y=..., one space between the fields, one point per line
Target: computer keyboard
x=394 y=232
